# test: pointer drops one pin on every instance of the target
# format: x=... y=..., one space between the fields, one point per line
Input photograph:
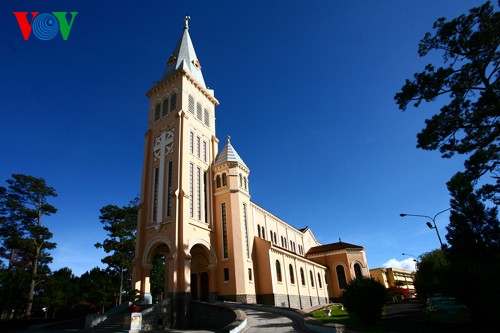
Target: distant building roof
x=333 y=247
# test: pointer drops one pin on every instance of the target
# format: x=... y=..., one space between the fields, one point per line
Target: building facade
x=196 y=213
x=395 y=277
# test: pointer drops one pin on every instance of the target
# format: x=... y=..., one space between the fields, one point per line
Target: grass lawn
x=340 y=316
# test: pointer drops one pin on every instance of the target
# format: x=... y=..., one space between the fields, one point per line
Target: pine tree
x=24 y=239
x=121 y=224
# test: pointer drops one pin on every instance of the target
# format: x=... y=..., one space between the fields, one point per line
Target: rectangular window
x=191 y=104
x=191 y=142
x=173 y=102
x=198 y=192
x=169 y=189
x=198 y=147
x=204 y=151
x=155 y=193
x=245 y=225
x=224 y=231
x=249 y=274
x=199 y=112
x=226 y=274
x=157 y=112
x=164 y=107
x=191 y=190
x=205 y=196
x=207 y=119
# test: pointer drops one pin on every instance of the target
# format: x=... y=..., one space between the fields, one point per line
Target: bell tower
x=175 y=219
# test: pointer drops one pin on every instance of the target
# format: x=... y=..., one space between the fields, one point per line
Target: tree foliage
x=431 y=274
x=474 y=229
x=469 y=121
x=25 y=241
x=120 y=224
x=98 y=289
x=474 y=249
x=365 y=298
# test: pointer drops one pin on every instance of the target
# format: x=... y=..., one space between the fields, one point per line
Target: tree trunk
x=121 y=286
x=29 y=306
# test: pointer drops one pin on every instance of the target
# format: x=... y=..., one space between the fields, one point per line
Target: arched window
x=217 y=181
x=357 y=270
x=302 y=277
x=292 y=276
x=278 y=270
x=271 y=235
x=191 y=104
x=199 y=111
x=245 y=180
x=224 y=179
x=157 y=112
x=207 y=118
x=173 y=102
x=164 y=107
x=341 y=276
x=275 y=240
x=263 y=233
x=258 y=229
x=319 y=281
x=311 y=277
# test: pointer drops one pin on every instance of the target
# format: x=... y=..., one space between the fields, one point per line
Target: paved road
x=262 y=320
x=408 y=318
x=398 y=318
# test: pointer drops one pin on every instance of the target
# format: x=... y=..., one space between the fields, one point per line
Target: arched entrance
x=199 y=273
x=158 y=277
x=154 y=281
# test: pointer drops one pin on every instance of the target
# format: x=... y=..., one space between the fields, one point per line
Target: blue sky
x=306 y=92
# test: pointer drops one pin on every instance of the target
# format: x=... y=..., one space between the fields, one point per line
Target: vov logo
x=45 y=26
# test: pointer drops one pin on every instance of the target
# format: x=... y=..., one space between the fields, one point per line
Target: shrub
x=365 y=298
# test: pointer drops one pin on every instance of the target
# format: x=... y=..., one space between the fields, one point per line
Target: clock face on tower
x=163 y=142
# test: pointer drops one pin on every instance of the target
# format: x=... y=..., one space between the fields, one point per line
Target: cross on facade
x=164 y=144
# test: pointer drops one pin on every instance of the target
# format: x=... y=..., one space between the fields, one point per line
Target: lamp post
x=411 y=255
x=429 y=224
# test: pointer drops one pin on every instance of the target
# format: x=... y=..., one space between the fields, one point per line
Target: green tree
x=469 y=122
x=431 y=275
x=120 y=223
x=158 y=277
x=365 y=298
x=62 y=291
x=474 y=249
x=23 y=204
x=97 y=291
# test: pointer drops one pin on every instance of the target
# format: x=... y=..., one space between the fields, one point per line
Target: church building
x=196 y=212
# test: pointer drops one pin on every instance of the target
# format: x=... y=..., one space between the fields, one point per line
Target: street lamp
x=411 y=255
x=429 y=224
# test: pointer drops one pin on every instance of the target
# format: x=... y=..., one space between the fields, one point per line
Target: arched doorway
x=154 y=279
x=200 y=260
x=158 y=280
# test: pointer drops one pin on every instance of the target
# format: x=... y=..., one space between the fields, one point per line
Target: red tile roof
x=333 y=247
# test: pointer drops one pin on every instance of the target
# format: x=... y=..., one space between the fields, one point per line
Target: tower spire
x=185 y=57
